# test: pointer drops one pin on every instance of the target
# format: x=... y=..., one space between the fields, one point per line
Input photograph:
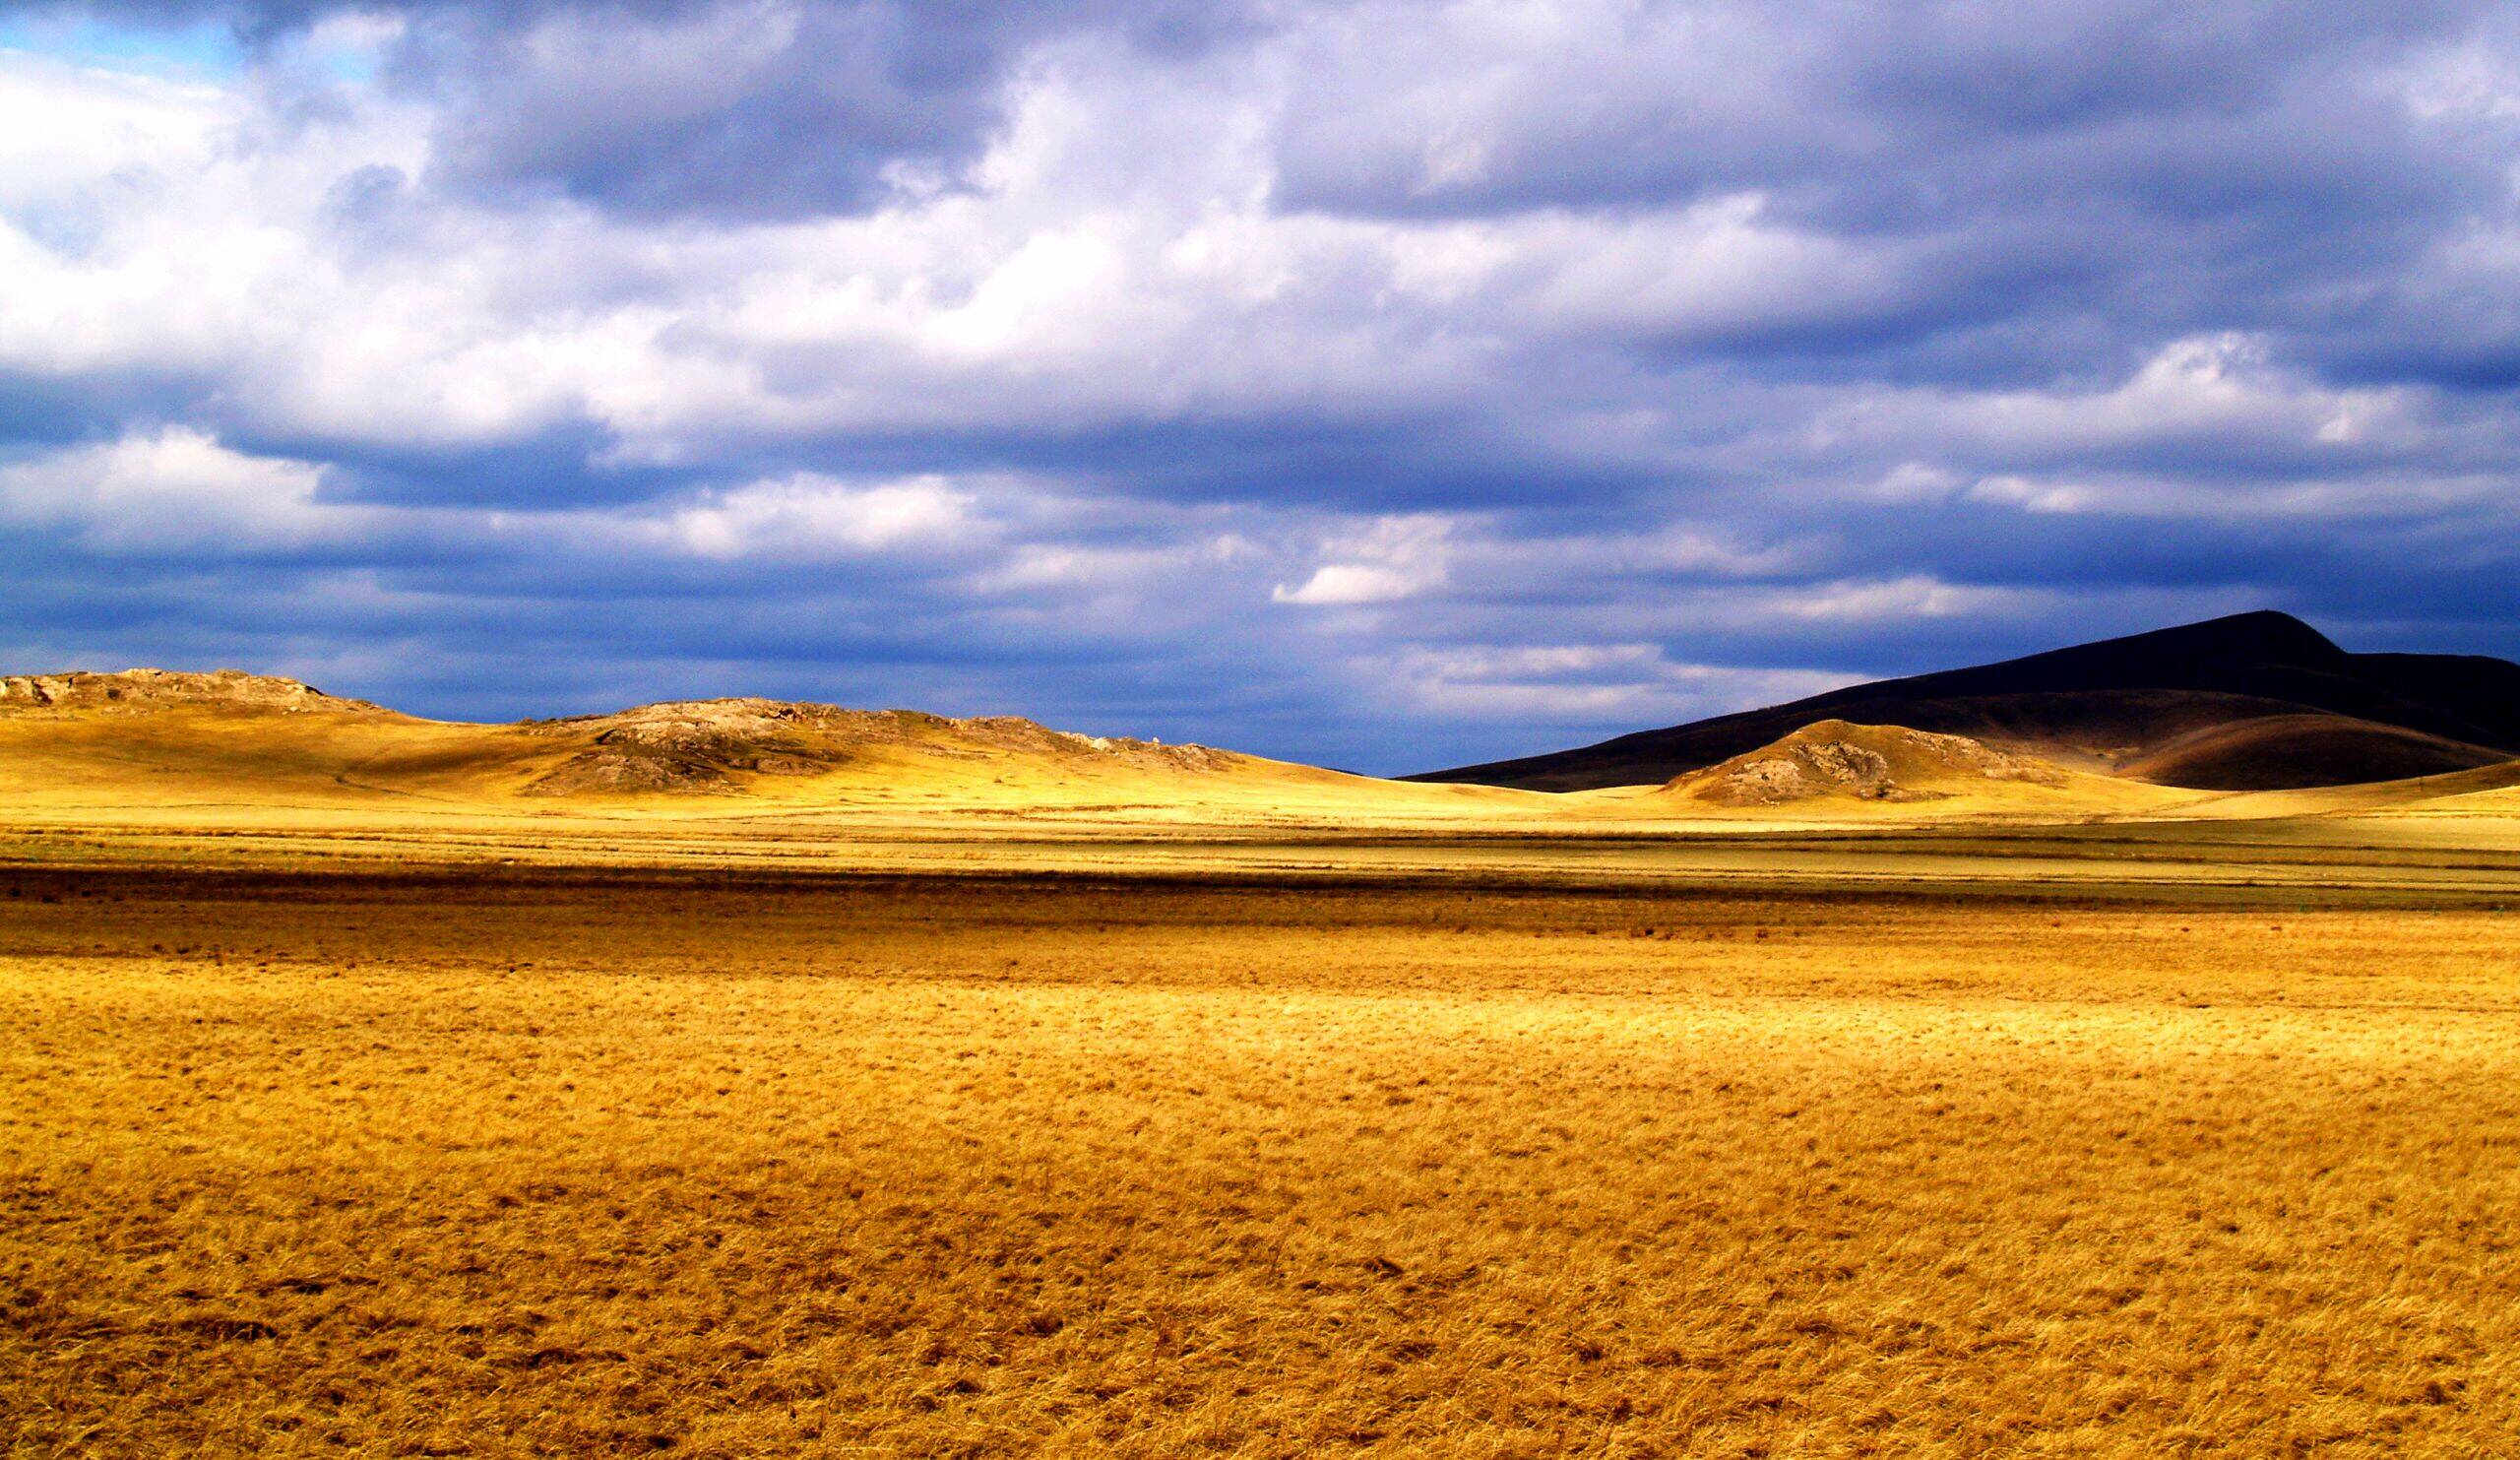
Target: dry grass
x=201 y=765
x=538 y=1163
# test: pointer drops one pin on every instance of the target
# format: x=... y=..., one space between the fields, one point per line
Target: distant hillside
x=721 y=745
x=1832 y=758
x=2252 y=701
x=178 y=741
x=1832 y=771
x=135 y=690
x=227 y=733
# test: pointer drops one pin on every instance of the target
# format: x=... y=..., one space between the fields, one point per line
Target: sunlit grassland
x=622 y=1163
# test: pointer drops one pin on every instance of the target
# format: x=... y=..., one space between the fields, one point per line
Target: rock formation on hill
x=704 y=746
x=150 y=689
x=1865 y=762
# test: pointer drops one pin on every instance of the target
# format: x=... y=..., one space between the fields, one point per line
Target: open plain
x=1276 y=730
x=750 y=1079
x=2074 y=1142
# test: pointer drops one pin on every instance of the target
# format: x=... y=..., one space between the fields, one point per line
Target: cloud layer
x=1380 y=384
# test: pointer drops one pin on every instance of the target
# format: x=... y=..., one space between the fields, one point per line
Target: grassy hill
x=146 y=747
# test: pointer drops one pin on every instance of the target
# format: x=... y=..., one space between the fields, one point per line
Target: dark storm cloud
x=1427 y=461
x=557 y=468
x=2084 y=179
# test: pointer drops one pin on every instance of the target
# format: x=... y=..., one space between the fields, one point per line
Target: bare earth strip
x=1260 y=1153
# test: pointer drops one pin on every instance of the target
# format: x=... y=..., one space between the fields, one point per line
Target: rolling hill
x=148 y=745
x=148 y=737
x=1831 y=770
x=2252 y=701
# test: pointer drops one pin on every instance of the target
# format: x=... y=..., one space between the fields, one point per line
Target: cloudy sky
x=1381 y=384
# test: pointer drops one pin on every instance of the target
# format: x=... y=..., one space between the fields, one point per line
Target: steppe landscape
x=1724 y=730
x=743 y=1078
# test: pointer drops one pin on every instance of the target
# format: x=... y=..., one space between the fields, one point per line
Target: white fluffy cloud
x=807 y=516
x=180 y=489
x=296 y=267
x=1395 y=558
x=176 y=490
x=67 y=131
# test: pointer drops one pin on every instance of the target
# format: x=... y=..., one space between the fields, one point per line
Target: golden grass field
x=1275 y=1122
x=505 y=1161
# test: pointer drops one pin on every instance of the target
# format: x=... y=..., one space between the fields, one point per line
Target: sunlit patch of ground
x=1253 y=1158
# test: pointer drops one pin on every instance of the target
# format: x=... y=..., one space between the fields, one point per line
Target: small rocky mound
x=708 y=747
x=1865 y=762
x=690 y=746
x=133 y=690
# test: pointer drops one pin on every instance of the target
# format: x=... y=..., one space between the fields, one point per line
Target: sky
x=1382 y=385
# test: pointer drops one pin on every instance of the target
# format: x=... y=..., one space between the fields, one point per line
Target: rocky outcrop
x=1866 y=762
x=709 y=746
x=137 y=691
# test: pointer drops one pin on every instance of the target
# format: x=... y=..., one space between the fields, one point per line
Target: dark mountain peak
x=2123 y=705
x=2264 y=636
x=2159 y=659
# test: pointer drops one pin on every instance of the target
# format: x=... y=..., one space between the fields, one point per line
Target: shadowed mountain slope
x=2255 y=701
x=2280 y=752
